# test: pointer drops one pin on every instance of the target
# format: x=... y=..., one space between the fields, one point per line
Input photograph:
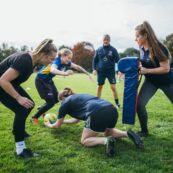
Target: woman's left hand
x=144 y=70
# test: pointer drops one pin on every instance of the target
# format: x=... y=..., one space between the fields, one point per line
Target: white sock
x=106 y=140
x=20 y=146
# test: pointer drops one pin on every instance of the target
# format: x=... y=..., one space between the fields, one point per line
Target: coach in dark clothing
x=104 y=66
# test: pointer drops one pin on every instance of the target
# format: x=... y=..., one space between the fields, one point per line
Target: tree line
x=83 y=52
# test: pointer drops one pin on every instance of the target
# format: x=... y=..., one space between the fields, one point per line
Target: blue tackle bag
x=129 y=66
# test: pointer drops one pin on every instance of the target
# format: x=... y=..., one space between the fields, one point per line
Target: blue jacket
x=105 y=58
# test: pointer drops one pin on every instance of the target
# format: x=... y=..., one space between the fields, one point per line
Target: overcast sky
x=70 y=21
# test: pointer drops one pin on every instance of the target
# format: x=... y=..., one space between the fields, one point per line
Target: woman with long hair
x=14 y=70
x=155 y=65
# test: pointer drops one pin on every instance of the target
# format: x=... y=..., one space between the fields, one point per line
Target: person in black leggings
x=155 y=65
x=15 y=70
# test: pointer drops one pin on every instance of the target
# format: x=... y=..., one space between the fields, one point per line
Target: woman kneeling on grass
x=99 y=115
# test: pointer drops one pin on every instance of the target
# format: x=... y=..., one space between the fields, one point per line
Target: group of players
x=100 y=116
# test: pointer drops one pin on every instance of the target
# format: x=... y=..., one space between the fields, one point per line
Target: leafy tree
x=24 y=48
x=130 y=52
x=5 y=51
x=169 y=43
x=83 y=53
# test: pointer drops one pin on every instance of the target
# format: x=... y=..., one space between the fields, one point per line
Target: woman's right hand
x=24 y=101
x=69 y=72
x=94 y=72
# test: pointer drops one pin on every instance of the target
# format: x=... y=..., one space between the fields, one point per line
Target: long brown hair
x=65 y=93
x=154 y=44
x=46 y=47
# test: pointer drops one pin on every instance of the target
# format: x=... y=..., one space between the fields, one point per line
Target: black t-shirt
x=22 y=62
x=81 y=106
x=156 y=79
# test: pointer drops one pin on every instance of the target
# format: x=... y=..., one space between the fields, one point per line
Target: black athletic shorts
x=109 y=74
x=102 y=119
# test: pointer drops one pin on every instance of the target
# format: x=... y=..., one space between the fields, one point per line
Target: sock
x=105 y=141
x=116 y=101
x=19 y=147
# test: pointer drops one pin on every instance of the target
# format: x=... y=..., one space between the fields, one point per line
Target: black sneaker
x=135 y=138
x=27 y=153
x=143 y=133
x=110 y=147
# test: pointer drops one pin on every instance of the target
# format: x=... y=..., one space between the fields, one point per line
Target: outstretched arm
x=57 y=124
x=55 y=71
x=71 y=121
x=79 y=68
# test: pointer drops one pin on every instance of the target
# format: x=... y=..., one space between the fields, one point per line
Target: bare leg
x=116 y=133
x=114 y=91
x=89 y=138
x=99 y=90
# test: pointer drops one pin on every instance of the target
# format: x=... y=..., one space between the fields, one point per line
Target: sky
x=28 y=22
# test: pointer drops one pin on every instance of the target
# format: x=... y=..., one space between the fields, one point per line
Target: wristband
x=17 y=96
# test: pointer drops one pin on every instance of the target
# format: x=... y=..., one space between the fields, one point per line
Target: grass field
x=61 y=151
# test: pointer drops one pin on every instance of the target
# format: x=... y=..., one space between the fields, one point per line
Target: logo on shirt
x=110 y=53
x=105 y=58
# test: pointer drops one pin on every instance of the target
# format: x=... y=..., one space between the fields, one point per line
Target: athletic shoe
x=34 y=121
x=27 y=153
x=143 y=133
x=135 y=138
x=110 y=147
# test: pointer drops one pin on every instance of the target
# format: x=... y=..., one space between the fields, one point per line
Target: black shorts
x=109 y=74
x=46 y=89
x=102 y=119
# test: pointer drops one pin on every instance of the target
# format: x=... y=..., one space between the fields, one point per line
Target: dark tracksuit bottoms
x=147 y=91
x=21 y=113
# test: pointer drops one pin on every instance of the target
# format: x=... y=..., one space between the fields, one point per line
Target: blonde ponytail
x=46 y=46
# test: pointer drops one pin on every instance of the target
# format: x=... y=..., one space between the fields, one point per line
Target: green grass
x=61 y=149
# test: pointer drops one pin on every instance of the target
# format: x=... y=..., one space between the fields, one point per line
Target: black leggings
x=145 y=94
x=49 y=104
x=21 y=113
